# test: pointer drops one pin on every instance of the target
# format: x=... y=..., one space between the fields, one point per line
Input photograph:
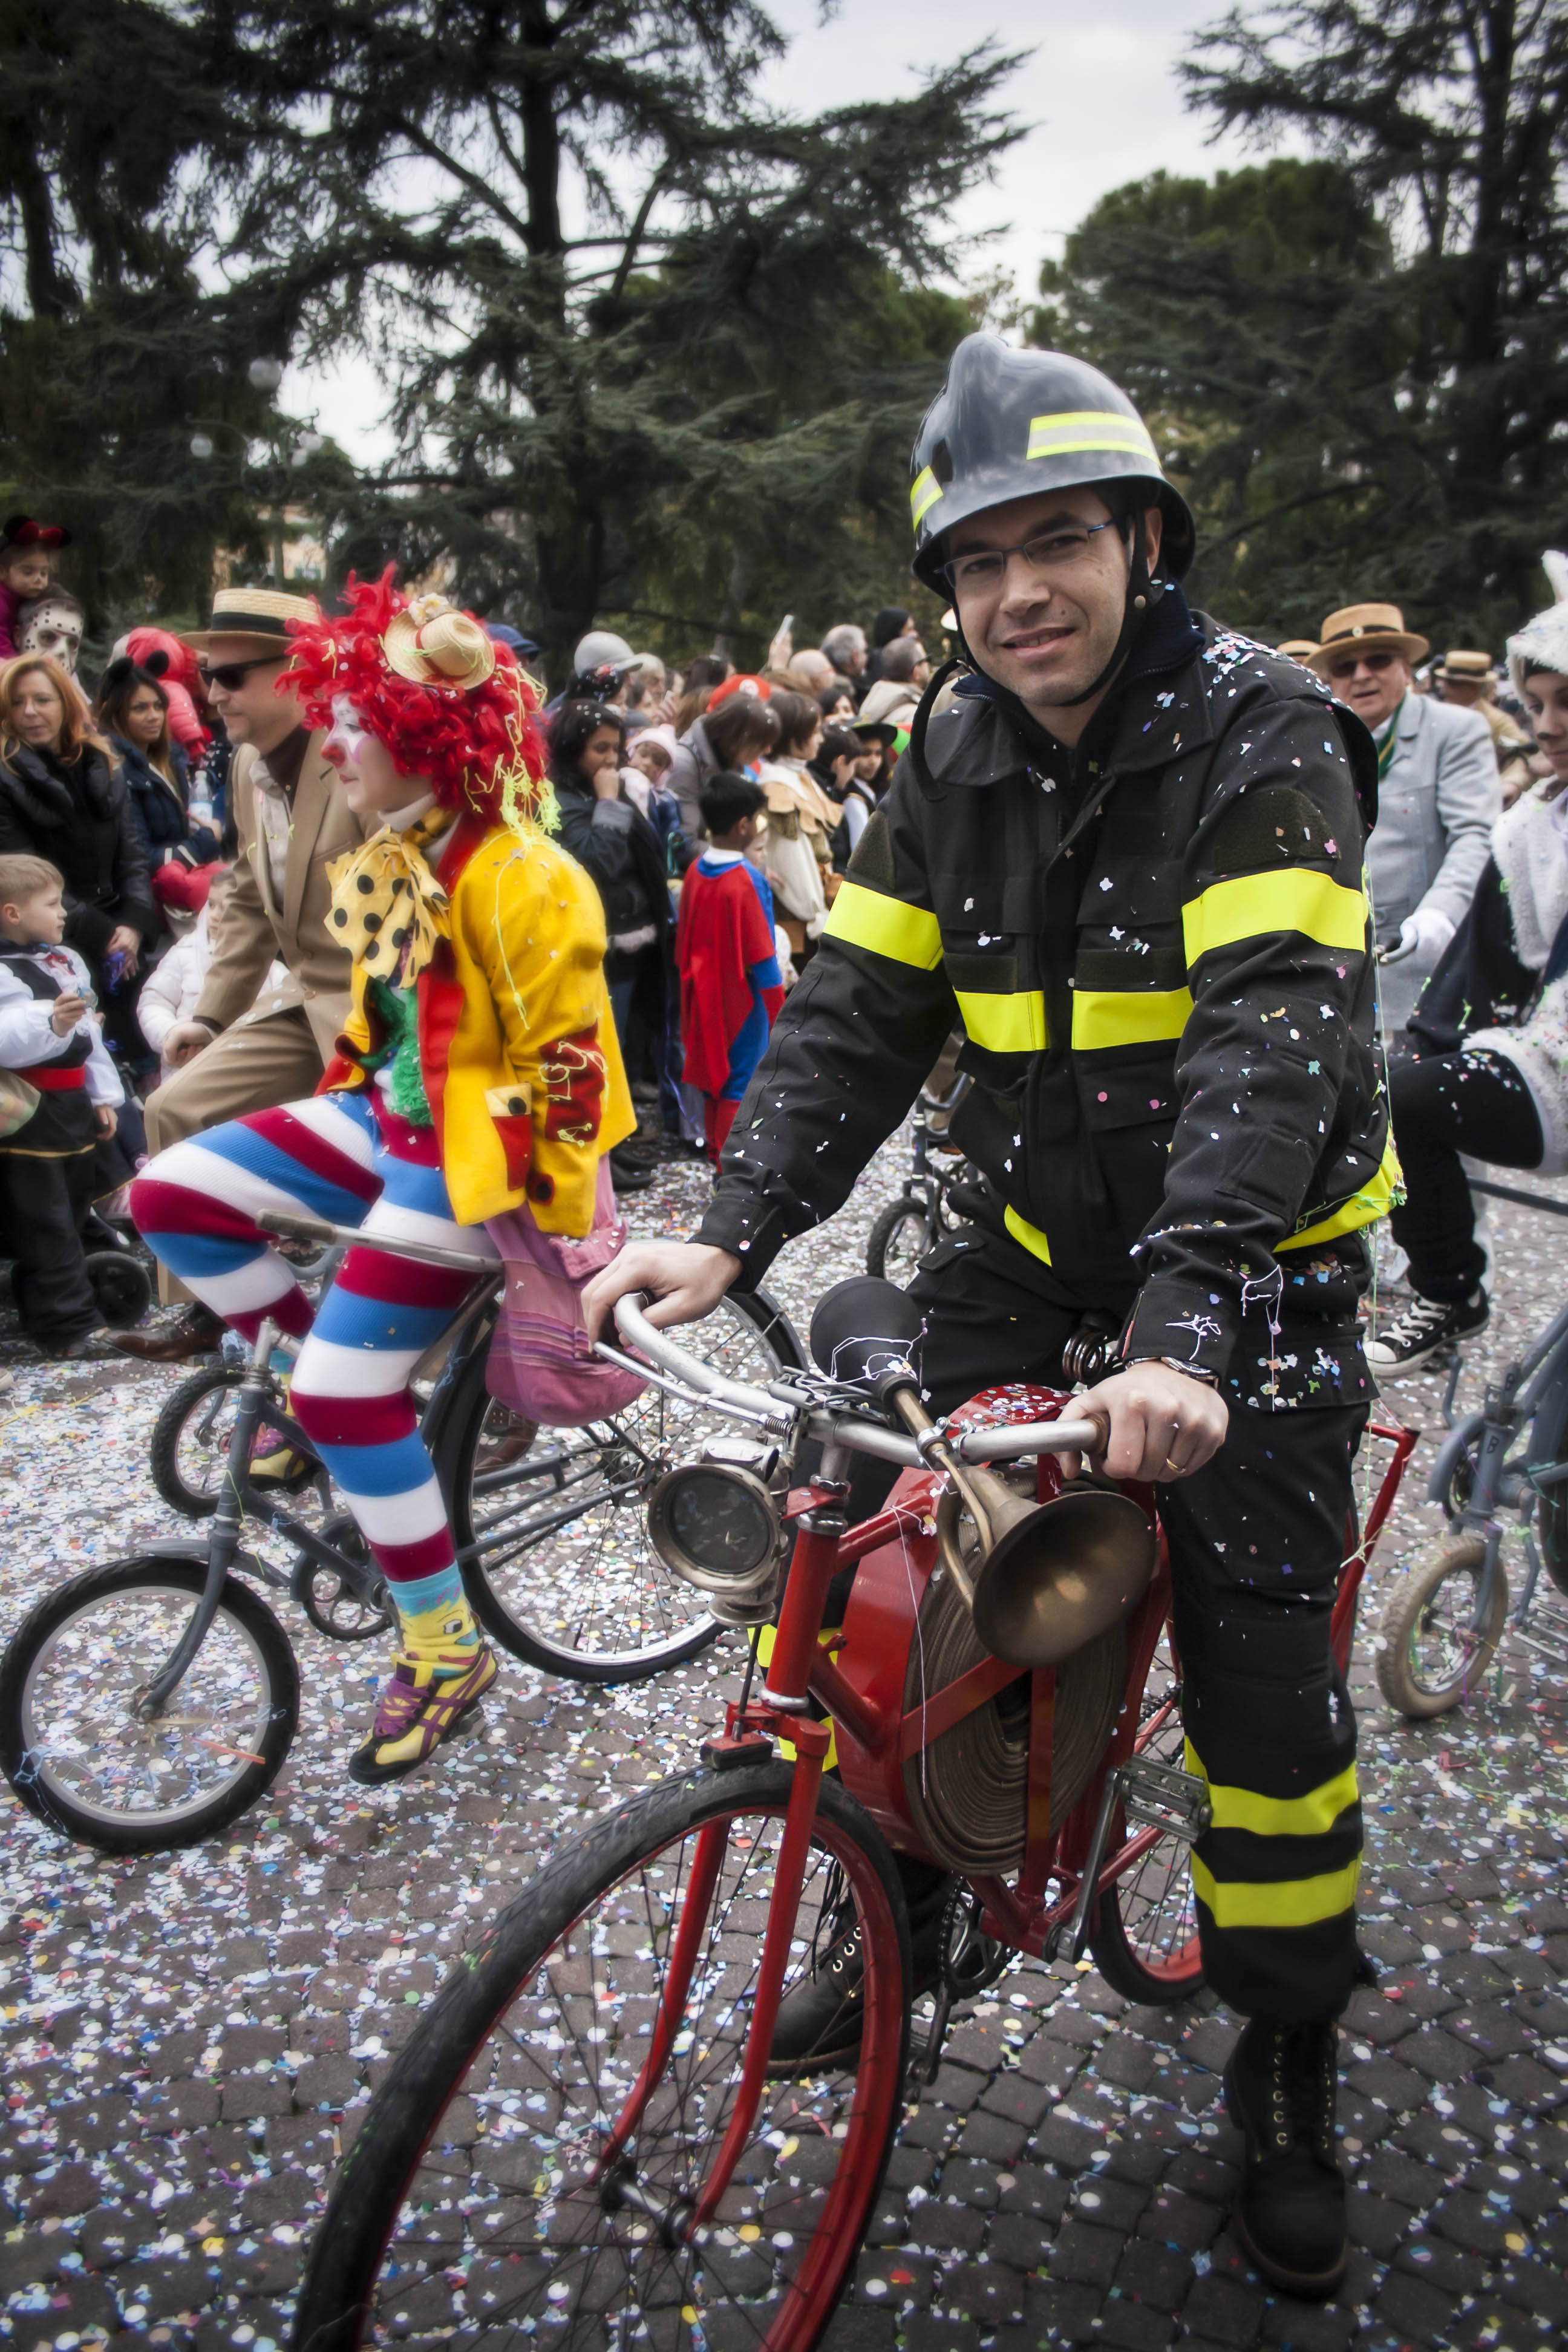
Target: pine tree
x=654 y=352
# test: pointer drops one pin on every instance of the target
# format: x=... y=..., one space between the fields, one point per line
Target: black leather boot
x=818 y=2024
x=1279 y=2089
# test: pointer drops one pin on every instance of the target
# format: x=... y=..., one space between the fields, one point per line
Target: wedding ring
x=1175 y=1468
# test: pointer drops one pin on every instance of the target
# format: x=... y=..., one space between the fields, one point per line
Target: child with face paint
x=27 y=559
x=477 y=1070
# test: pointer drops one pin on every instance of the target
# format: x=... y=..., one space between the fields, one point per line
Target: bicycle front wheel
x=898 y=1241
x=1438 y=1644
x=552 y=1524
x=75 y=1748
x=1145 y=1938
x=483 y=2202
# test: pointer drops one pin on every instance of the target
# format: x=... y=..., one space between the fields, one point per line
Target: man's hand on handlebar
x=686 y=1280
x=1163 y=1425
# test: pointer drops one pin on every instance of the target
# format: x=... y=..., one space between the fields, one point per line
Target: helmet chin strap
x=1142 y=591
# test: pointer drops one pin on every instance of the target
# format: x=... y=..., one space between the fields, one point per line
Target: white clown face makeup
x=348 y=737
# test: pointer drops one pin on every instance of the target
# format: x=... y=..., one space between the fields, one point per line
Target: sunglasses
x=227 y=675
x=1376 y=663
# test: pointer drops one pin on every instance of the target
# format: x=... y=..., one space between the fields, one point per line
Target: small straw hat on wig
x=428 y=681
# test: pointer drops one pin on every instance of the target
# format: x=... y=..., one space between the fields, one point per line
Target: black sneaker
x=1419 y=1329
x=1280 y=2085
x=818 y=2024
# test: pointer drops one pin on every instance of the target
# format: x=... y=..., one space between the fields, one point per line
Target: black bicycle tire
x=453 y=1453
x=188 y=1576
x=121 y=1286
x=172 y=1414
x=407 y=2107
x=897 y=1212
x=1548 y=1438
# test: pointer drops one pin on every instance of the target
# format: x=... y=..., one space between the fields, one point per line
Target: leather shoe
x=819 y=2020
x=1280 y=2084
x=87 y=1347
x=195 y=1330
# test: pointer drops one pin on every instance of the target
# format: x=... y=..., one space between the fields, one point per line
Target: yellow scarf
x=388 y=909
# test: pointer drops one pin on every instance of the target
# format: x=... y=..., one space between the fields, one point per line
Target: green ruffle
x=398 y=1011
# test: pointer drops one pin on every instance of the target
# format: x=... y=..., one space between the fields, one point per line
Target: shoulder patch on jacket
x=873 y=858
x=1276 y=826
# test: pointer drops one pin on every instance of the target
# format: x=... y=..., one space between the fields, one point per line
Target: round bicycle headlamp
x=715 y=1526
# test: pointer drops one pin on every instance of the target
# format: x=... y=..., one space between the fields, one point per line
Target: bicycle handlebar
x=1089 y=1434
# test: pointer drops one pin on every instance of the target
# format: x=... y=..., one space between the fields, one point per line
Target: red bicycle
x=589 y=2143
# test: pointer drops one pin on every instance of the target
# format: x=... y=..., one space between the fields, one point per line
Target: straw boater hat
x=1297 y=649
x=1466 y=664
x=1367 y=629
x=259 y=615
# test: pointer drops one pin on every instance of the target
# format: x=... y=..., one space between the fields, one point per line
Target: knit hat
x=1542 y=643
x=888 y=625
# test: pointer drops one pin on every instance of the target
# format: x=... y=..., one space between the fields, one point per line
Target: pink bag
x=541 y=1360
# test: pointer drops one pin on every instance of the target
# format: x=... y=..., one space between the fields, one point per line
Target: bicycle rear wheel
x=552 y=1525
x=1436 y=1647
x=473 y=2208
x=898 y=1241
x=71 y=1744
x=1145 y=1939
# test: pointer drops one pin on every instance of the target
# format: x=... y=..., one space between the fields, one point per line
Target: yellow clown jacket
x=517 y=1047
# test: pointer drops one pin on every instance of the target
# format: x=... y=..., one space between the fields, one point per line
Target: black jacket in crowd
x=1159 y=950
x=160 y=808
x=79 y=818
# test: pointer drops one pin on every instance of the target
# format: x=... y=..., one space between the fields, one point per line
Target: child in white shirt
x=61 y=1093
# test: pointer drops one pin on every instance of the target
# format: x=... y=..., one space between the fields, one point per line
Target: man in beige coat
x=250 y=1044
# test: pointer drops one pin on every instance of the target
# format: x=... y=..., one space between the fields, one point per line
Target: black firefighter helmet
x=1008 y=424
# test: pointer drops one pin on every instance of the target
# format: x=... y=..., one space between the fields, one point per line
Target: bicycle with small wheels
x=594 y=2138
x=913 y=1224
x=1509 y=1461
x=150 y=1701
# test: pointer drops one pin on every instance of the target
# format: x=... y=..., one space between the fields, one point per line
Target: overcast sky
x=1099 y=91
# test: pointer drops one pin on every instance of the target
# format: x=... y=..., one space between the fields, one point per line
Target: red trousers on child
x=718 y=1118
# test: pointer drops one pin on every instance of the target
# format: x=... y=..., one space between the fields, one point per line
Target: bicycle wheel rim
x=459 y=2289
x=588 y=1596
x=1146 y=1940
x=86 y=1751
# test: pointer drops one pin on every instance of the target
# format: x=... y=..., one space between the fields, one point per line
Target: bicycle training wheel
x=70 y=1742
x=898 y=1241
x=1435 y=1647
x=1145 y=1938
x=552 y=1525
x=482 y=2201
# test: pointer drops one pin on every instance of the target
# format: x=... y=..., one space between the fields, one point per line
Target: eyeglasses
x=1376 y=663
x=227 y=675
x=1054 y=550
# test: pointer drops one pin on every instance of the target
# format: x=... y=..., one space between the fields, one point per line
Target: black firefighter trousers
x=1256 y=1539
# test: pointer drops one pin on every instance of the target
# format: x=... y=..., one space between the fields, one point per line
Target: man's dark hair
x=726 y=798
x=838 y=744
x=742 y=727
x=706 y=669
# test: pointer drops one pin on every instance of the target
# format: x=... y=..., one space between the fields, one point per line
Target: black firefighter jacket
x=1168 y=998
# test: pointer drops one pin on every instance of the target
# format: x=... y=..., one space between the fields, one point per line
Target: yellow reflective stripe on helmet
x=1127 y=1017
x=1308 y=1816
x=1256 y=904
x=1028 y=1236
x=1282 y=1903
x=924 y=493
x=869 y=918
x=1013 y=1024
x=1363 y=1208
x=1090 y=428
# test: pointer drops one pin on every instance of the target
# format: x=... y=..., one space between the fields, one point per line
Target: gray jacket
x=692 y=764
x=1435 y=809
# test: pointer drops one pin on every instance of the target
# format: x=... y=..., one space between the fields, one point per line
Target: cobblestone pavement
x=187 y=2039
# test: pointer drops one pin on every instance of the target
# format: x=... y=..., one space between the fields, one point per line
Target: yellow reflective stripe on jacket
x=1013 y=1024
x=767 y=1636
x=1090 y=428
x=1363 y=1208
x=1256 y=904
x=1127 y=1017
x=1308 y=1816
x=924 y=493
x=1282 y=1903
x=1029 y=1236
x=869 y=918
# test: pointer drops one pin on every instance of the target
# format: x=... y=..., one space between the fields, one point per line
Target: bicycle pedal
x=1164 y=1796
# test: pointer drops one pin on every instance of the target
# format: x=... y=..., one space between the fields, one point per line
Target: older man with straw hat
x=252 y=1042
x=1438 y=794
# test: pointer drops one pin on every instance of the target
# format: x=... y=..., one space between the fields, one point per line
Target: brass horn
x=1046 y=1578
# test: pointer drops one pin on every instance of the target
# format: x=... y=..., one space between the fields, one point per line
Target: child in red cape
x=731 y=986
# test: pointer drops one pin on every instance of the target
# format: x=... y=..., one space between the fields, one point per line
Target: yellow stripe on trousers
x=1308 y=1816
x=1285 y=1903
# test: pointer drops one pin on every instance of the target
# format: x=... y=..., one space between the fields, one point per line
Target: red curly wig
x=476 y=736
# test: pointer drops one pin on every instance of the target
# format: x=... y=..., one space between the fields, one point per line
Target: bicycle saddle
x=863 y=1329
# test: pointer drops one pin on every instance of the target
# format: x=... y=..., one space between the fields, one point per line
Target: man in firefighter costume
x=1126 y=857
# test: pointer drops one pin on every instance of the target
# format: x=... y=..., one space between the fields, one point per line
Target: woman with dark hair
x=702 y=676
x=736 y=735
x=62 y=798
x=616 y=844
x=837 y=705
x=133 y=710
x=892 y=622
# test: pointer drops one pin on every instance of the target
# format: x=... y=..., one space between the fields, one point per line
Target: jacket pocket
x=512 y=1108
